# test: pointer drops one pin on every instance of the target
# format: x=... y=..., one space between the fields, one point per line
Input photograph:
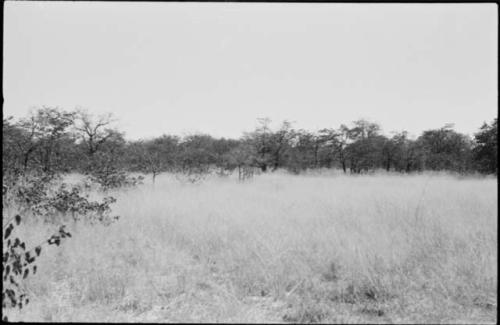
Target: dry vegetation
x=278 y=248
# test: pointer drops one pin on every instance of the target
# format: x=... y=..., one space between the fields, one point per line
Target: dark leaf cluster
x=18 y=262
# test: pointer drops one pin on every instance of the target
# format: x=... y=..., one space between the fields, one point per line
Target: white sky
x=215 y=67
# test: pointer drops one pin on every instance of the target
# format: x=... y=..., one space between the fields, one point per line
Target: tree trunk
x=26 y=159
x=353 y=167
x=316 y=149
x=408 y=166
x=46 y=160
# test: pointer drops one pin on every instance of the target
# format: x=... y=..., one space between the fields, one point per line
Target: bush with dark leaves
x=109 y=177
x=35 y=195
x=18 y=262
x=70 y=202
x=192 y=174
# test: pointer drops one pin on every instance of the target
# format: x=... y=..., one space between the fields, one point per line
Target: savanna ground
x=279 y=248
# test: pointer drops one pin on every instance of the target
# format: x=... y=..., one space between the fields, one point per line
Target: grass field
x=279 y=248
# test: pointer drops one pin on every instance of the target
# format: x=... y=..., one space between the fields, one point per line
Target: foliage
x=445 y=149
x=28 y=192
x=70 y=202
x=94 y=133
x=240 y=158
x=106 y=172
x=112 y=178
x=270 y=148
x=37 y=194
x=54 y=140
x=39 y=138
x=18 y=262
x=486 y=151
x=153 y=157
x=192 y=174
x=33 y=193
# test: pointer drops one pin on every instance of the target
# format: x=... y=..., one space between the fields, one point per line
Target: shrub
x=34 y=194
x=192 y=174
x=18 y=261
x=111 y=177
x=27 y=192
x=71 y=202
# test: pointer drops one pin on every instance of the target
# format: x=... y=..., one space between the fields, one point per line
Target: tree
x=168 y=145
x=363 y=129
x=400 y=153
x=146 y=157
x=41 y=132
x=26 y=139
x=221 y=148
x=114 y=146
x=11 y=139
x=270 y=147
x=389 y=152
x=153 y=156
x=260 y=140
x=485 y=152
x=280 y=144
x=404 y=152
x=54 y=124
x=93 y=132
x=365 y=148
x=108 y=165
x=445 y=149
x=305 y=150
x=43 y=141
x=196 y=153
x=241 y=157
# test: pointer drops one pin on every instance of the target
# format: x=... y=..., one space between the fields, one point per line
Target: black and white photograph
x=250 y=162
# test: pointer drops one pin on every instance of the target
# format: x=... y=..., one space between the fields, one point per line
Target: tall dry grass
x=308 y=248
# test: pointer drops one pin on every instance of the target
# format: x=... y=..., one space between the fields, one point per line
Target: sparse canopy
x=486 y=150
x=94 y=132
x=53 y=139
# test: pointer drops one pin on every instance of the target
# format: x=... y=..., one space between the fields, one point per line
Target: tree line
x=51 y=139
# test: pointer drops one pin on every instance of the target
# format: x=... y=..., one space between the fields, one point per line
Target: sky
x=181 y=68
